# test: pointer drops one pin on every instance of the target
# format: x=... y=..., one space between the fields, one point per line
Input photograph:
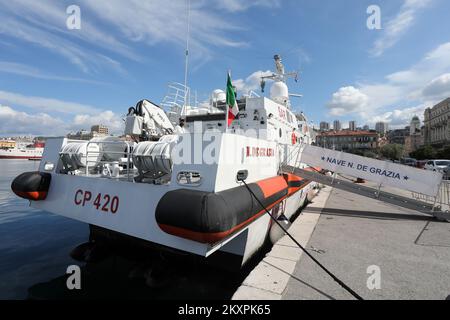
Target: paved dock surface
x=353 y=233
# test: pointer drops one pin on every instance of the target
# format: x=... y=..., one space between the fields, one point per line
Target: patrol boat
x=182 y=191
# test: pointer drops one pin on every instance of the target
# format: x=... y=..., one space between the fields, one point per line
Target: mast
x=280 y=74
x=280 y=78
x=186 y=65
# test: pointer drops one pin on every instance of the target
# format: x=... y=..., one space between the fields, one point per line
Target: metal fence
x=442 y=199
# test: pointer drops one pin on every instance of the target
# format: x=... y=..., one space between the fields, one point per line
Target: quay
x=353 y=236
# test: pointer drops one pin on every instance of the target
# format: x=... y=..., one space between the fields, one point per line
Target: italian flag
x=232 y=106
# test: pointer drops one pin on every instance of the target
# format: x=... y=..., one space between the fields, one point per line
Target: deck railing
x=128 y=153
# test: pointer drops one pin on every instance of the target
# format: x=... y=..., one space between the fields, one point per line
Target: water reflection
x=34 y=256
x=112 y=279
x=34 y=245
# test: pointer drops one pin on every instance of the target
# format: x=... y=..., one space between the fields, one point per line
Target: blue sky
x=53 y=80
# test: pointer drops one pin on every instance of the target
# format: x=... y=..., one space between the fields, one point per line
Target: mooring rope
x=335 y=278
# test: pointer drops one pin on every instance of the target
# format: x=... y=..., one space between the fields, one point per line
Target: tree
x=356 y=152
x=392 y=151
x=444 y=153
x=424 y=153
x=370 y=154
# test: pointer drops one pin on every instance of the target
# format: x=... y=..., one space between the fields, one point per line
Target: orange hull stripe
x=293 y=177
x=32 y=195
x=211 y=237
x=294 y=190
x=218 y=236
x=272 y=186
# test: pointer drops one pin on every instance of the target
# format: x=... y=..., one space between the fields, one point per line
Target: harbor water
x=35 y=251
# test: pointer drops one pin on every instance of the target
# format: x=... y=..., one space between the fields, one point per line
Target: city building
x=346 y=140
x=382 y=141
x=398 y=136
x=413 y=142
x=7 y=144
x=416 y=138
x=366 y=128
x=313 y=134
x=337 y=125
x=437 y=124
x=324 y=126
x=414 y=127
x=381 y=128
x=86 y=135
x=352 y=126
x=100 y=129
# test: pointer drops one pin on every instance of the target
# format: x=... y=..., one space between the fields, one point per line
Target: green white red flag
x=232 y=106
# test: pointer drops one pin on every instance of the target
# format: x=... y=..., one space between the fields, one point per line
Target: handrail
x=128 y=153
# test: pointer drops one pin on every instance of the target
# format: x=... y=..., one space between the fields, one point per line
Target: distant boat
x=31 y=152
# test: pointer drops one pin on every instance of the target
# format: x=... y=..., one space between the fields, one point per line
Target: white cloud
x=251 y=83
x=13 y=122
x=423 y=84
x=399 y=118
x=46 y=104
x=109 y=118
x=87 y=60
x=119 y=25
x=24 y=70
x=239 y=5
x=50 y=17
x=347 y=100
x=438 y=87
x=399 y=25
x=159 y=21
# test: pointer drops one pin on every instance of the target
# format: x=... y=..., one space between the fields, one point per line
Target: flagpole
x=227 y=109
x=186 y=65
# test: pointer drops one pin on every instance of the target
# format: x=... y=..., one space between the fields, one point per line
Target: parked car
x=421 y=164
x=437 y=165
x=447 y=173
x=409 y=162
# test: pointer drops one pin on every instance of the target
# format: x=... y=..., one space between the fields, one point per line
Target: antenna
x=280 y=75
x=186 y=66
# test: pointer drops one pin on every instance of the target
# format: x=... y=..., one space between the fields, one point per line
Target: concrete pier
x=379 y=250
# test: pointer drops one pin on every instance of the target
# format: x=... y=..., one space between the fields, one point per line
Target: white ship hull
x=129 y=208
x=31 y=154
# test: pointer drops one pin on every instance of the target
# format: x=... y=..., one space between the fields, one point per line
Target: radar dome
x=218 y=95
x=279 y=92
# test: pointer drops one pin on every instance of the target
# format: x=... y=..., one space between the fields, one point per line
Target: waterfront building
x=337 y=125
x=352 y=126
x=346 y=140
x=381 y=128
x=437 y=124
x=324 y=126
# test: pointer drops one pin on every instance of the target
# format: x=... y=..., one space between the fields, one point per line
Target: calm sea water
x=34 y=245
x=34 y=256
